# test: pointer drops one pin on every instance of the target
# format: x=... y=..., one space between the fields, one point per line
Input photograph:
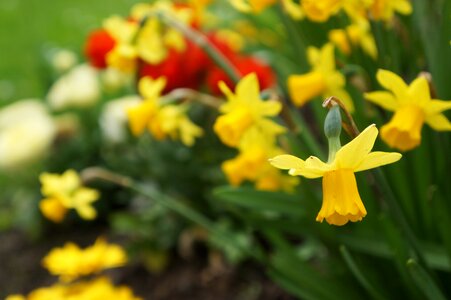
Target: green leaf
x=275 y=202
x=424 y=281
x=358 y=274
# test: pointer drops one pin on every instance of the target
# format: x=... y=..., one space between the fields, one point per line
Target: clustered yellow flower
x=341 y=199
x=97 y=289
x=152 y=42
x=322 y=10
x=161 y=120
x=323 y=80
x=246 y=125
x=64 y=192
x=413 y=107
x=71 y=262
x=358 y=33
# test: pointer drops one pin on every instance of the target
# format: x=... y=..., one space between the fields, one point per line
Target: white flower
x=26 y=132
x=113 y=119
x=78 y=88
x=63 y=59
x=113 y=79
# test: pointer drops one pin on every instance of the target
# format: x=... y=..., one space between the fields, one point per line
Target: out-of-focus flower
x=323 y=80
x=358 y=33
x=63 y=192
x=123 y=56
x=62 y=60
x=257 y=6
x=181 y=69
x=341 y=199
x=113 y=79
x=70 y=262
x=385 y=9
x=161 y=120
x=413 y=107
x=99 y=43
x=26 y=132
x=320 y=10
x=245 y=66
x=245 y=110
x=78 y=88
x=252 y=164
x=113 y=119
x=96 y=289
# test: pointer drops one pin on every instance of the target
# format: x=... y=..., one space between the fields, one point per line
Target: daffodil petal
x=377 y=159
x=314 y=164
x=386 y=100
x=419 y=91
x=437 y=106
x=403 y=7
x=439 y=122
x=353 y=153
x=286 y=162
x=248 y=88
x=392 y=82
x=270 y=108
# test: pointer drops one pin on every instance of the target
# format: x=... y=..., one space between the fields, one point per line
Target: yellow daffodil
x=98 y=288
x=256 y=6
x=323 y=80
x=252 y=164
x=341 y=199
x=385 y=9
x=71 y=262
x=161 y=120
x=413 y=107
x=64 y=192
x=358 y=33
x=320 y=10
x=124 y=54
x=245 y=110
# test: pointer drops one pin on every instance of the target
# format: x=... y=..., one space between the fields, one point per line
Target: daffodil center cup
x=230 y=127
x=341 y=199
x=404 y=129
x=305 y=87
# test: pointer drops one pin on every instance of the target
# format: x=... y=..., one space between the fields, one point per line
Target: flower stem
x=185 y=211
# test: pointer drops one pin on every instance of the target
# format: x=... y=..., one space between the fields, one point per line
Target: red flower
x=244 y=66
x=97 y=46
x=182 y=70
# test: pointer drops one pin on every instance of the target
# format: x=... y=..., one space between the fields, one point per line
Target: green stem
x=185 y=211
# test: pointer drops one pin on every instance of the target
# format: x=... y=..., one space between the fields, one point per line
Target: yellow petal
x=392 y=82
x=248 y=88
x=439 y=122
x=270 y=108
x=150 y=88
x=352 y=154
x=376 y=159
x=402 y=6
x=437 y=106
x=86 y=212
x=419 y=91
x=286 y=162
x=314 y=168
x=385 y=100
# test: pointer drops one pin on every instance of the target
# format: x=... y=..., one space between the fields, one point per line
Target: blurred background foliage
x=30 y=29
